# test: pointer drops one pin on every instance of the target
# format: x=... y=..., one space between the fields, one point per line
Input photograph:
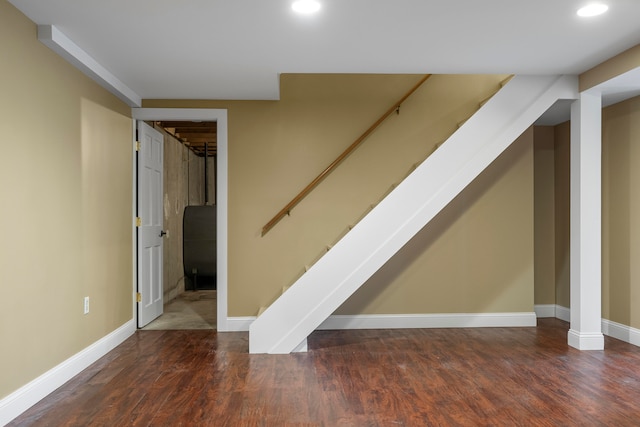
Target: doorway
x=189 y=310
x=220 y=117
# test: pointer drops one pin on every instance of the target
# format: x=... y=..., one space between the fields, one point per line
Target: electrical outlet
x=86 y=305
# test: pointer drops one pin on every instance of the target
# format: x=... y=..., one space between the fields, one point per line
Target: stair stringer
x=405 y=211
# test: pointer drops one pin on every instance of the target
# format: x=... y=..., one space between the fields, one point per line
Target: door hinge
x=138 y=297
x=137 y=145
x=138 y=221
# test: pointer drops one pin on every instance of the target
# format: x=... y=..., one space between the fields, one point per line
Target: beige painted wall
x=621 y=213
x=619 y=64
x=562 y=185
x=476 y=256
x=277 y=147
x=544 y=215
x=66 y=216
x=183 y=186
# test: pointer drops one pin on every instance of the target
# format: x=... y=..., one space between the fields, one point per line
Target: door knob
x=162 y=233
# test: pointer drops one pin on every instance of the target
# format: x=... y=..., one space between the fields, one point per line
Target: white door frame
x=220 y=117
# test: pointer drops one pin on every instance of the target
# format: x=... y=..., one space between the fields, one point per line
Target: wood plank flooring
x=416 y=377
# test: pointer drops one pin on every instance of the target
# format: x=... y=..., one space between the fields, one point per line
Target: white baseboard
x=239 y=324
x=28 y=395
x=586 y=340
x=553 y=310
x=409 y=321
x=395 y=321
x=302 y=347
x=622 y=332
x=545 y=310
x=563 y=313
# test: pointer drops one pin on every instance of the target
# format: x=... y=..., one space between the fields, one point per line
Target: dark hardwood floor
x=416 y=377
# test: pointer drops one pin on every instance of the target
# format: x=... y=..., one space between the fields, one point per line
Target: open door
x=150 y=223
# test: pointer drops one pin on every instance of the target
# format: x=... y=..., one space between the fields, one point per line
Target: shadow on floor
x=190 y=310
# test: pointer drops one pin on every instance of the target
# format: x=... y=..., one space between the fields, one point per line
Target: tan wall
x=277 y=147
x=476 y=256
x=621 y=213
x=619 y=64
x=183 y=183
x=66 y=216
x=544 y=215
x=562 y=219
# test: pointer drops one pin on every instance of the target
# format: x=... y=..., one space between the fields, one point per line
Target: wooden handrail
x=287 y=209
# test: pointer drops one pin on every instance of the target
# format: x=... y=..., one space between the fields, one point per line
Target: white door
x=150 y=232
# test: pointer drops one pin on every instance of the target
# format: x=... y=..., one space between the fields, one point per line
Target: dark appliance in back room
x=199 y=246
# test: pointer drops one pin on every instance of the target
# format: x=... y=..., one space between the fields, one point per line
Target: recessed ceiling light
x=593 y=9
x=306 y=6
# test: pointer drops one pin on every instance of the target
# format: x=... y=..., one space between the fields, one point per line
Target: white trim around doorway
x=219 y=116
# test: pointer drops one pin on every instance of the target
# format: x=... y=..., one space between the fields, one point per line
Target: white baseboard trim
x=545 y=310
x=302 y=347
x=563 y=313
x=480 y=320
x=553 y=310
x=586 y=340
x=622 y=332
x=30 y=394
x=239 y=324
x=410 y=321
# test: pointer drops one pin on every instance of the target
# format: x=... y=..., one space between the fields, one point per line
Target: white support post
x=586 y=223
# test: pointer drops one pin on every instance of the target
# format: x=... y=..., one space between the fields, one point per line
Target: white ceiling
x=235 y=49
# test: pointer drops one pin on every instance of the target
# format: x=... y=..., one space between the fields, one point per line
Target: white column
x=586 y=223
